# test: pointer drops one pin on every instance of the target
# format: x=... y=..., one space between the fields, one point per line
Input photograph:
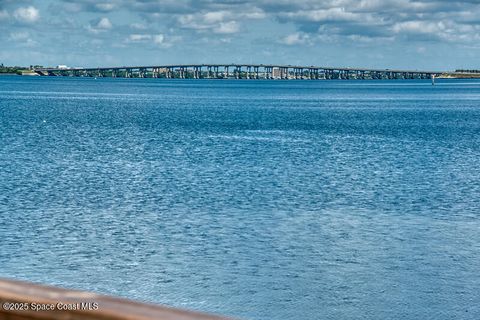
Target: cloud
x=21 y=35
x=105 y=7
x=330 y=15
x=104 y=23
x=215 y=17
x=295 y=38
x=227 y=27
x=363 y=19
x=416 y=27
x=433 y=20
x=99 y=25
x=27 y=14
x=22 y=38
x=138 y=26
x=4 y=15
x=139 y=37
x=437 y=31
x=222 y=22
x=156 y=39
x=91 y=5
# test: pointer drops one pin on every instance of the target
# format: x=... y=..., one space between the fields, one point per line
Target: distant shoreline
x=459 y=76
x=23 y=73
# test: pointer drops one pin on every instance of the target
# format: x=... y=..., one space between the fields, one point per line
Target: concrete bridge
x=238 y=71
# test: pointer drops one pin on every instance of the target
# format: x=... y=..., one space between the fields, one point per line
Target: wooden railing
x=26 y=301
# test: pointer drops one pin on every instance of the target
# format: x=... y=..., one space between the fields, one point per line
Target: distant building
x=62 y=66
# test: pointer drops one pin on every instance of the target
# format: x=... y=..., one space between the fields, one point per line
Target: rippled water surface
x=255 y=199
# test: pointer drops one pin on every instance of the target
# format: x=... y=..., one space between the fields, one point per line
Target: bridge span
x=238 y=71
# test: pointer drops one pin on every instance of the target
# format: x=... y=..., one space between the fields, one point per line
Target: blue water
x=254 y=199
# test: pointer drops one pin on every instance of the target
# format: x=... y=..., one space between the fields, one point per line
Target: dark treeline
x=467 y=71
x=14 y=69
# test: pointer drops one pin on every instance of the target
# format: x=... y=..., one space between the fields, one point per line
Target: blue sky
x=422 y=34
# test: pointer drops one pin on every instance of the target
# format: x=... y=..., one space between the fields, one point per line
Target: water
x=254 y=199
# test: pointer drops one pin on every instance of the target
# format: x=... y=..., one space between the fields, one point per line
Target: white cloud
x=419 y=27
x=22 y=38
x=105 y=6
x=227 y=27
x=255 y=14
x=363 y=19
x=27 y=14
x=72 y=7
x=139 y=37
x=332 y=14
x=189 y=21
x=214 y=21
x=138 y=26
x=432 y=20
x=215 y=16
x=18 y=36
x=104 y=23
x=100 y=25
x=295 y=38
x=156 y=39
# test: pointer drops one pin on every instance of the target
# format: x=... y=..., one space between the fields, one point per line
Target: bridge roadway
x=238 y=71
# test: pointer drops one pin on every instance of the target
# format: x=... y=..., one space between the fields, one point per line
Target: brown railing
x=25 y=301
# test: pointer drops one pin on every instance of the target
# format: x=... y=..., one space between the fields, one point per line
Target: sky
x=419 y=34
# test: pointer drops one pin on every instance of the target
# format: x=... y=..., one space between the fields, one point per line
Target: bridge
x=238 y=71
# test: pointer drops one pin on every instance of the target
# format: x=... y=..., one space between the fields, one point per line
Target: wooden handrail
x=26 y=301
